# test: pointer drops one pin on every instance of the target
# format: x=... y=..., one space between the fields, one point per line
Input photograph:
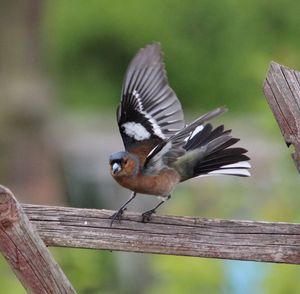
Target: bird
x=161 y=149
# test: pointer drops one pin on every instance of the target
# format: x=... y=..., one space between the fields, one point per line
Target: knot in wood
x=8 y=208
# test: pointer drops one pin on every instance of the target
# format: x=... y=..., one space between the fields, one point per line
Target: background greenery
x=216 y=53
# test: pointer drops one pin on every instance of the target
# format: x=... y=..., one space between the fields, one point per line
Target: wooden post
x=188 y=236
x=26 y=252
x=282 y=90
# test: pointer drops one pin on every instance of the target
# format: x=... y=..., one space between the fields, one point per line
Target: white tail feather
x=233 y=171
x=240 y=164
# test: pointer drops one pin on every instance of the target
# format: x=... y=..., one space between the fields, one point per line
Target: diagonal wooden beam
x=189 y=236
x=282 y=90
x=26 y=252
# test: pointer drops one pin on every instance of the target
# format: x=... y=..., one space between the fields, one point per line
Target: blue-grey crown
x=118 y=156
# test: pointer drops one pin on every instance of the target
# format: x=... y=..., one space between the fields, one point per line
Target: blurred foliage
x=176 y=275
x=89 y=271
x=217 y=53
x=9 y=282
x=282 y=279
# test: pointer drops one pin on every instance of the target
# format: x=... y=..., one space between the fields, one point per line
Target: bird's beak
x=116 y=167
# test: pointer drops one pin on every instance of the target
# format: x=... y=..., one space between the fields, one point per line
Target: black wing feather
x=148 y=102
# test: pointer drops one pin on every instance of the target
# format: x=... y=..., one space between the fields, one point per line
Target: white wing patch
x=155 y=126
x=136 y=94
x=136 y=131
x=197 y=130
x=194 y=133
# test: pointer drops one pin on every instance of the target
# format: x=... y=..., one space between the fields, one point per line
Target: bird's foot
x=117 y=215
x=146 y=216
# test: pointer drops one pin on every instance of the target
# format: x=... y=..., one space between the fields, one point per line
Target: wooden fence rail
x=189 y=236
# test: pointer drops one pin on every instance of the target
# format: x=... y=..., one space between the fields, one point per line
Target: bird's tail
x=209 y=152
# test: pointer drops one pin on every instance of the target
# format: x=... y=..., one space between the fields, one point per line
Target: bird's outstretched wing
x=149 y=112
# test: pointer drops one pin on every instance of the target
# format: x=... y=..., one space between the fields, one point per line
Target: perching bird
x=161 y=150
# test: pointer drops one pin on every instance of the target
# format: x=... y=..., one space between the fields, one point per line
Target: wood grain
x=282 y=90
x=26 y=252
x=188 y=236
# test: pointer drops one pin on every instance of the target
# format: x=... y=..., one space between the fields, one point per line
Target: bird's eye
x=125 y=161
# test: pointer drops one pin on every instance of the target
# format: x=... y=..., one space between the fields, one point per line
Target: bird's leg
x=118 y=214
x=146 y=216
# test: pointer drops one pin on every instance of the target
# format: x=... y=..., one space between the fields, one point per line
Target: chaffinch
x=160 y=149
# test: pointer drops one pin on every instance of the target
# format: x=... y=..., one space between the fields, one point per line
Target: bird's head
x=123 y=164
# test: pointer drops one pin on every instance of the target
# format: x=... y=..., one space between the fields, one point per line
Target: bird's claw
x=146 y=216
x=117 y=215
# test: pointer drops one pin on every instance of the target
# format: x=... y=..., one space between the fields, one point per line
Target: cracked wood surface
x=188 y=236
x=282 y=90
x=26 y=253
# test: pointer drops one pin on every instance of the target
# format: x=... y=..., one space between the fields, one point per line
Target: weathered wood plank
x=189 y=236
x=26 y=252
x=282 y=90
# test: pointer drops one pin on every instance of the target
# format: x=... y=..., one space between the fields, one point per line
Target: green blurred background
x=61 y=70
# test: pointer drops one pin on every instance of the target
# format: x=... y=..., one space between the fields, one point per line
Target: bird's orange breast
x=161 y=184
